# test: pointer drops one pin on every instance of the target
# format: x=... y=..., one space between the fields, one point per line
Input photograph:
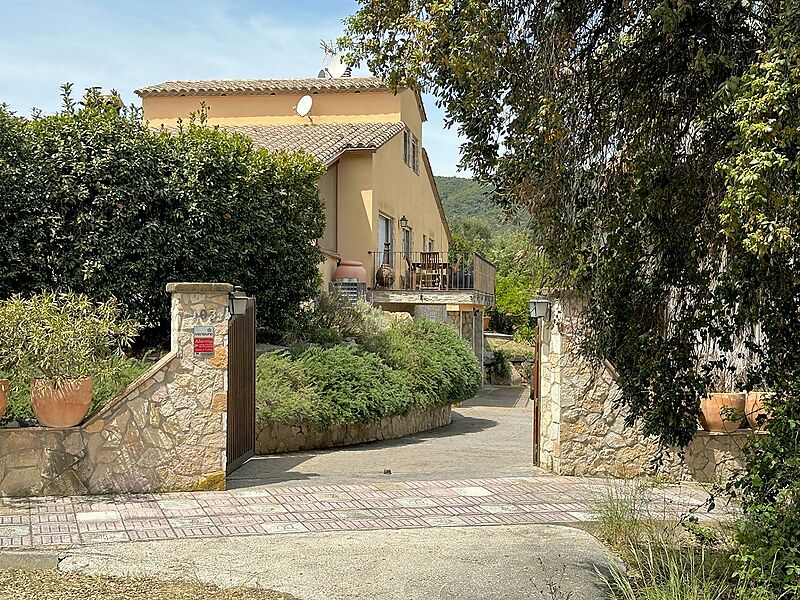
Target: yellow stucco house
x=381 y=203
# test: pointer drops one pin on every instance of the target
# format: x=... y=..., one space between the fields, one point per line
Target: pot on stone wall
x=4 y=385
x=722 y=412
x=350 y=269
x=63 y=404
x=754 y=409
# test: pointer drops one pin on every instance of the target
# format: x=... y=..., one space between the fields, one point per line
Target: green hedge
x=441 y=366
x=94 y=201
x=415 y=364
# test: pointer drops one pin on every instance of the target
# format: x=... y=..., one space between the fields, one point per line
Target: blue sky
x=124 y=44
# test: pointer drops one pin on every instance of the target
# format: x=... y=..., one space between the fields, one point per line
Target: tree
x=655 y=144
x=93 y=200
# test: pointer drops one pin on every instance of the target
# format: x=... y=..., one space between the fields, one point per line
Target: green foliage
x=328 y=386
x=62 y=336
x=285 y=394
x=94 y=201
x=464 y=198
x=440 y=366
x=358 y=386
x=396 y=368
x=658 y=157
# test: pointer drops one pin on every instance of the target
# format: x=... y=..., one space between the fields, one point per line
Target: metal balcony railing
x=431 y=271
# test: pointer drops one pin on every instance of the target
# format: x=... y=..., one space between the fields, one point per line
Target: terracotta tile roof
x=260 y=87
x=326 y=141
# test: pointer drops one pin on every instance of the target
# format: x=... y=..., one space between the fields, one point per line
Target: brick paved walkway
x=391 y=505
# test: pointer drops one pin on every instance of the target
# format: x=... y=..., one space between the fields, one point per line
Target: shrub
x=60 y=336
x=441 y=366
x=285 y=394
x=355 y=386
x=93 y=200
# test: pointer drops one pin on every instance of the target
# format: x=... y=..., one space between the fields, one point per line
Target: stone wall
x=274 y=438
x=166 y=432
x=583 y=424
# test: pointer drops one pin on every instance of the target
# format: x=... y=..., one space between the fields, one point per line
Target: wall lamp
x=539 y=307
x=237 y=302
x=403 y=222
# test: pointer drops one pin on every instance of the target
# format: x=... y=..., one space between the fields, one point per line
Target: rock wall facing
x=583 y=424
x=274 y=438
x=166 y=432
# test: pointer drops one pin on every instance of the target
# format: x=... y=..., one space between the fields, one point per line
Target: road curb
x=29 y=560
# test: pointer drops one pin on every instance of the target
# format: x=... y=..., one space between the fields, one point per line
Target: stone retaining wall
x=273 y=438
x=583 y=423
x=166 y=432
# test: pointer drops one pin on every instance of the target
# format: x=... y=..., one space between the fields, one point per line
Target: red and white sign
x=203 y=340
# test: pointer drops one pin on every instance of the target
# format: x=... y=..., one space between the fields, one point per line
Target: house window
x=385 y=237
x=411 y=150
x=407 y=242
x=430 y=245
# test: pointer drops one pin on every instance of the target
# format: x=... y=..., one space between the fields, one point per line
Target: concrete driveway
x=490 y=436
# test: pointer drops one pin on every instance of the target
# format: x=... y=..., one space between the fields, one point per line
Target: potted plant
x=723 y=411
x=60 y=342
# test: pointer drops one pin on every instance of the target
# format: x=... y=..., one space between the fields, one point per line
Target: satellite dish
x=335 y=66
x=304 y=106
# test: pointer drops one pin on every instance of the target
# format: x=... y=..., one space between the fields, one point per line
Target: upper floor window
x=411 y=150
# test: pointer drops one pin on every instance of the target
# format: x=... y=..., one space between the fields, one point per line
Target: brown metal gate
x=536 y=396
x=242 y=387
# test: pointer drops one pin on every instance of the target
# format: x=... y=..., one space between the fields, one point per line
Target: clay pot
x=350 y=269
x=62 y=405
x=722 y=412
x=385 y=276
x=753 y=407
x=4 y=385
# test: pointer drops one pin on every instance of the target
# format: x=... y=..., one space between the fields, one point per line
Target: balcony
x=431 y=278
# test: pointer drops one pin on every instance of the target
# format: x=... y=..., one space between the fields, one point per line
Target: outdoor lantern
x=237 y=302
x=539 y=307
x=403 y=222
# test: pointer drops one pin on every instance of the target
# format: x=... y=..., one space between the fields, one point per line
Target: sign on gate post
x=204 y=340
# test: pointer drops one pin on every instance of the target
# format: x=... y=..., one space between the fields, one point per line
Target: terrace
x=431 y=278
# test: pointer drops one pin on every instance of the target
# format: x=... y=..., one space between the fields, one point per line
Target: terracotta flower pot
x=722 y=412
x=753 y=408
x=350 y=269
x=4 y=385
x=62 y=405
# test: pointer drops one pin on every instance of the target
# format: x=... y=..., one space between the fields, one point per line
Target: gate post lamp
x=237 y=302
x=539 y=307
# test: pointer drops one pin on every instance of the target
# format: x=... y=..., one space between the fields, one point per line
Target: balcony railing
x=431 y=271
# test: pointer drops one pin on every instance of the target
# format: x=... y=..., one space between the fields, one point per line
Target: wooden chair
x=430 y=270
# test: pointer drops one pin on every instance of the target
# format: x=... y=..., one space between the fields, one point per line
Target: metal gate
x=242 y=387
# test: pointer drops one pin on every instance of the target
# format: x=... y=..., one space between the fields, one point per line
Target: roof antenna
x=304 y=107
x=335 y=67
